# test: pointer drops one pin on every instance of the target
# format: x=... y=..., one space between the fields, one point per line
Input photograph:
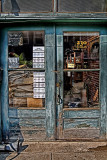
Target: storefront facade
x=54 y=76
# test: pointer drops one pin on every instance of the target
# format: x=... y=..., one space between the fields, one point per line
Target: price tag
x=70 y=65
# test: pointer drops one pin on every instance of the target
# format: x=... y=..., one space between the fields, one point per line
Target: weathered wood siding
x=59 y=90
x=81 y=119
x=103 y=85
x=81 y=124
x=50 y=85
x=27 y=124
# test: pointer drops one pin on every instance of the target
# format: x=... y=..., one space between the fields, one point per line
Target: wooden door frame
x=102 y=113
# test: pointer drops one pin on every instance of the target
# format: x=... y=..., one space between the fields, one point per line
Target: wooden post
x=103 y=85
x=4 y=85
x=50 y=86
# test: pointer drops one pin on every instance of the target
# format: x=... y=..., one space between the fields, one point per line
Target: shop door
x=77 y=87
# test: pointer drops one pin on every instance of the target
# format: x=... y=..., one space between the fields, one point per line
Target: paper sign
x=13 y=62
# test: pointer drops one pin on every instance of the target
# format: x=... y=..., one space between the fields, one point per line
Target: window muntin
x=81 y=69
x=26 y=63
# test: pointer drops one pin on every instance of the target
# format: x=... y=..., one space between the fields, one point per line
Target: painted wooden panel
x=81 y=133
x=25 y=113
x=81 y=114
x=59 y=39
x=27 y=135
x=50 y=86
x=22 y=123
x=80 y=28
x=81 y=123
x=50 y=40
x=103 y=84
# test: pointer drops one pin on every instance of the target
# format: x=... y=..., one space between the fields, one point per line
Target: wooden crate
x=34 y=102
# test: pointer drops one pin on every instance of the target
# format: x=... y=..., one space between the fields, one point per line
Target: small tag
x=71 y=65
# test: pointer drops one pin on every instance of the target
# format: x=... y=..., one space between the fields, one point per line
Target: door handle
x=59 y=99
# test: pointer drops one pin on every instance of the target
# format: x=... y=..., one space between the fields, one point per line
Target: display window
x=26 y=63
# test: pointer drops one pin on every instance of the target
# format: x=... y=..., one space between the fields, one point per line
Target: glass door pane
x=81 y=69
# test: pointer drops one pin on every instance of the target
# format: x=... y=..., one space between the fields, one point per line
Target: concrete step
x=98 y=155
x=60 y=147
x=58 y=151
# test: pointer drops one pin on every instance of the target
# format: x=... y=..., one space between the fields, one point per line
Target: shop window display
x=81 y=69
x=26 y=63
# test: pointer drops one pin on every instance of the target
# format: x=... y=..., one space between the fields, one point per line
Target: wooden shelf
x=80 y=70
x=78 y=109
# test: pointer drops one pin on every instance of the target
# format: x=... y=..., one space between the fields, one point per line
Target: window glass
x=81 y=69
x=16 y=6
x=81 y=50
x=81 y=89
x=26 y=49
x=82 y=6
x=26 y=62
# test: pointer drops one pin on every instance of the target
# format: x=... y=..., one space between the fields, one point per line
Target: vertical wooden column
x=103 y=85
x=0 y=92
x=4 y=85
x=50 y=85
x=59 y=39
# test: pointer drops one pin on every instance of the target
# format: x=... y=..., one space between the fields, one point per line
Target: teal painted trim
x=80 y=28
x=48 y=28
x=27 y=113
x=50 y=86
x=4 y=85
x=103 y=85
x=0 y=93
x=81 y=123
x=59 y=90
x=26 y=28
x=92 y=114
x=62 y=17
x=0 y=117
x=50 y=93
